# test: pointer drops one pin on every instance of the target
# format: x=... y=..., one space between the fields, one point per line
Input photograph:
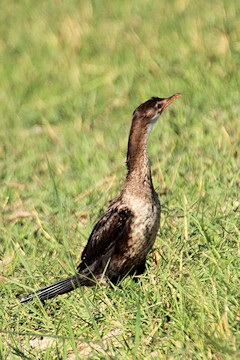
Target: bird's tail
x=58 y=288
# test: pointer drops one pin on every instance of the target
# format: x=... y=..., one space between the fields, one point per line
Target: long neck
x=137 y=157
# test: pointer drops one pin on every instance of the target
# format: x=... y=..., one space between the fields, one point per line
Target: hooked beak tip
x=171 y=99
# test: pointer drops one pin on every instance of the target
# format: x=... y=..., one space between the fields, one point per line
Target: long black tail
x=58 y=288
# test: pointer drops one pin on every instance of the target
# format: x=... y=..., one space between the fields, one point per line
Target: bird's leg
x=139 y=270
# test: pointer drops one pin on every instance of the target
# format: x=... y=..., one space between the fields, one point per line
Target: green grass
x=71 y=74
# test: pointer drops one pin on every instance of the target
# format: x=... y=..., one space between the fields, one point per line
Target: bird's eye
x=159 y=106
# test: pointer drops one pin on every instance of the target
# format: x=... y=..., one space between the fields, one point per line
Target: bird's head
x=150 y=110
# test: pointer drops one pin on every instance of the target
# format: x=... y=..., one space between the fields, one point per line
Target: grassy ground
x=71 y=74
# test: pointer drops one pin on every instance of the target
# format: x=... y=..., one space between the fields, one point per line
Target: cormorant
x=122 y=237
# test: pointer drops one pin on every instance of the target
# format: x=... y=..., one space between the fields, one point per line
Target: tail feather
x=50 y=291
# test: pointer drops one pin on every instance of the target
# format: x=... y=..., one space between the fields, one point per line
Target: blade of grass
x=138 y=325
x=66 y=243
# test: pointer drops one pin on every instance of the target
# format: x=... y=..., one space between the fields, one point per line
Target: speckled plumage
x=126 y=232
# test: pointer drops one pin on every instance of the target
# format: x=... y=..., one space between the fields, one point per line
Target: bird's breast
x=144 y=226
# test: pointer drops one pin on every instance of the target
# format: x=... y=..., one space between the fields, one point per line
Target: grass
x=71 y=74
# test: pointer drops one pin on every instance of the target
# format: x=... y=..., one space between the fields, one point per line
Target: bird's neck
x=139 y=171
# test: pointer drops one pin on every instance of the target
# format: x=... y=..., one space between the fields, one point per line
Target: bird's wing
x=107 y=231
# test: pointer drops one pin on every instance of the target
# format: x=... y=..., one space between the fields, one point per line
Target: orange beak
x=170 y=100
